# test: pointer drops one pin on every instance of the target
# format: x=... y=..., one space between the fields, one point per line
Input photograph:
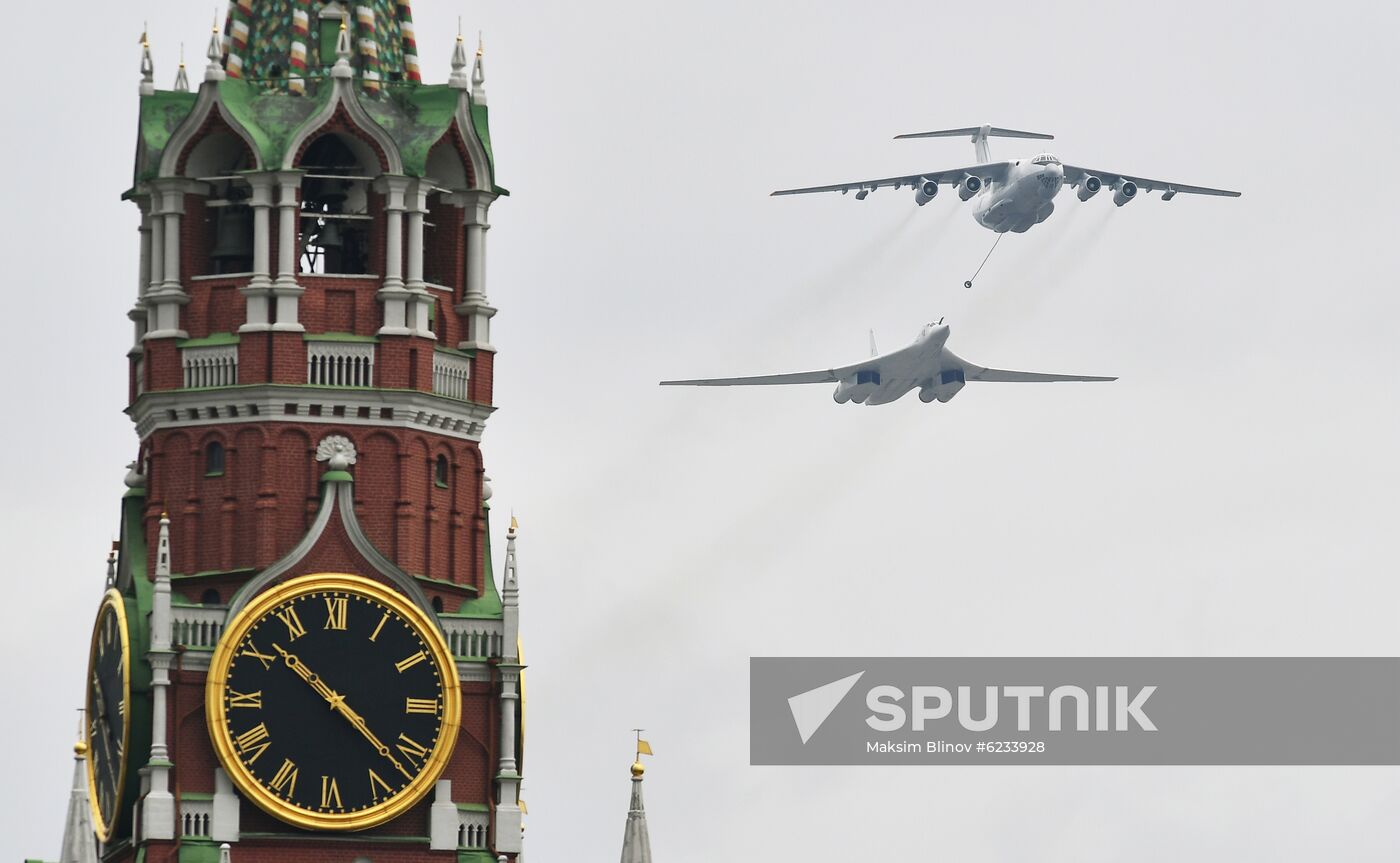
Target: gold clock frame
x=113 y=602
x=243 y=779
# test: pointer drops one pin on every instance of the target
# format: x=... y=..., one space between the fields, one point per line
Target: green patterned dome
x=285 y=43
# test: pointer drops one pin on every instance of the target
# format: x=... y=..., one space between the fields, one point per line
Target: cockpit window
x=1045 y=159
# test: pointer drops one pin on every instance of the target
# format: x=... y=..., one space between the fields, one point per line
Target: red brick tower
x=310 y=381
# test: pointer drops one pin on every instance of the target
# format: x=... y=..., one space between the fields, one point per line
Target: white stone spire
x=79 y=840
x=158 y=807
x=342 y=69
x=508 y=821
x=148 y=66
x=215 y=54
x=479 y=72
x=459 y=78
x=182 y=80
x=636 y=843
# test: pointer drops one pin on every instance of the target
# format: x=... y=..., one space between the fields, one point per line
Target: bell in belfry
x=233 y=240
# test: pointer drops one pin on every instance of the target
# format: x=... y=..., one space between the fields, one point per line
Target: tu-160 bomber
x=1014 y=195
x=926 y=365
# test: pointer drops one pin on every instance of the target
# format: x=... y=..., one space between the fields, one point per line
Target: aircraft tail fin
x=979 y=134
x=873 y=351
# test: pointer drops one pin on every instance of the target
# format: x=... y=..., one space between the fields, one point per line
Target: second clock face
x=333 y=702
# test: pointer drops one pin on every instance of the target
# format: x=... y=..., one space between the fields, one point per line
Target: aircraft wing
x=1074 y=175
x=971 y=372
x=826 y=376
x=994 y=171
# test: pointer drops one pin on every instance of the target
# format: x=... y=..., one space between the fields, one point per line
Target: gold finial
x=80 y=749
x=480 y=44
x=145 y=29
x=514 y=525
x=343 y=28
x=638 y=769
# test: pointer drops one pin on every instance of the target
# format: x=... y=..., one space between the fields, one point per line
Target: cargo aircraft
x=926 y=365
x=1015 y=195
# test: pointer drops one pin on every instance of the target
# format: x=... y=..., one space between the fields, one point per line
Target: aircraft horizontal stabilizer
x=975 y=131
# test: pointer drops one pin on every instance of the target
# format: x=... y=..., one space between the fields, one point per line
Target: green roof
x=270 y=117
x=161 y=114
x=416 y=118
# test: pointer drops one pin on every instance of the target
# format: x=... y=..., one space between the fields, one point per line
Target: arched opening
x=335 y=218
x=226 y=227
x=214 y=459
x=437 y=604
x=210 y=597
x=440 y=471
x=443 y=225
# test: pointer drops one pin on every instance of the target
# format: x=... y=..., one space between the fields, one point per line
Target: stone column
x=393 y=294
x=286 y=289
x=259 y=287
x=422 y=300
x=143 y=281
x=165 y=295
x=474 y=306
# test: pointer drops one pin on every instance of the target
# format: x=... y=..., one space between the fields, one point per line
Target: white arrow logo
x=811 y=708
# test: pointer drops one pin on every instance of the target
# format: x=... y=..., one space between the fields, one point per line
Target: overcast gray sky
x=1233 y=494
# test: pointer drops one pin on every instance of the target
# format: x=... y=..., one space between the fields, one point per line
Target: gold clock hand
x=337 y=703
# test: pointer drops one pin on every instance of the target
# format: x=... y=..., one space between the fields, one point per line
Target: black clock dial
x=108 y=697
x=334 y=703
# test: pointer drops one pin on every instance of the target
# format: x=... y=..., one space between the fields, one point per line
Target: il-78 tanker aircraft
x=1015 y=195
x=926 y=365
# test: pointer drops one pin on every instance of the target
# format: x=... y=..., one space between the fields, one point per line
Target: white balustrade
x=472 y=637
x=210 y=365
x=340 y=364
x=451 y=374
x=472 y=833
x=198 y=627
x=195 y=817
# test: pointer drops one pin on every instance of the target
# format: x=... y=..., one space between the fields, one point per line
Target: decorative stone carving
x=336 y=449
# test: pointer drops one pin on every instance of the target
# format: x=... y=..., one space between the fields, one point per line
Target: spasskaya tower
x=302 y=653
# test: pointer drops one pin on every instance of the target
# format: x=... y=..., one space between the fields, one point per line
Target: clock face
x=333 y=702
x=108 y=698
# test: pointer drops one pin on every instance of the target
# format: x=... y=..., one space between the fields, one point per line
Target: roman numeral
x=330 y=793
x=121 y=707
x=255 y=740
x=421 y=705
x=337 y=607
x=408 y=662
x=286 y=779
x=288 y=616
x=411 y=749
x=245 y=699
x=252 y=650
x=375 y=634
x=375 y=783
x=104 y=800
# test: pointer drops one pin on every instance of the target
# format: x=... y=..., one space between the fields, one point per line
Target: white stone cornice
x=266 y=403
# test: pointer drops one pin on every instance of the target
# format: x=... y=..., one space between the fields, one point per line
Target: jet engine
x=944 y=387
x=1089 y=187
x=969 y=186
x=925 y=191
x=1124 y=192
